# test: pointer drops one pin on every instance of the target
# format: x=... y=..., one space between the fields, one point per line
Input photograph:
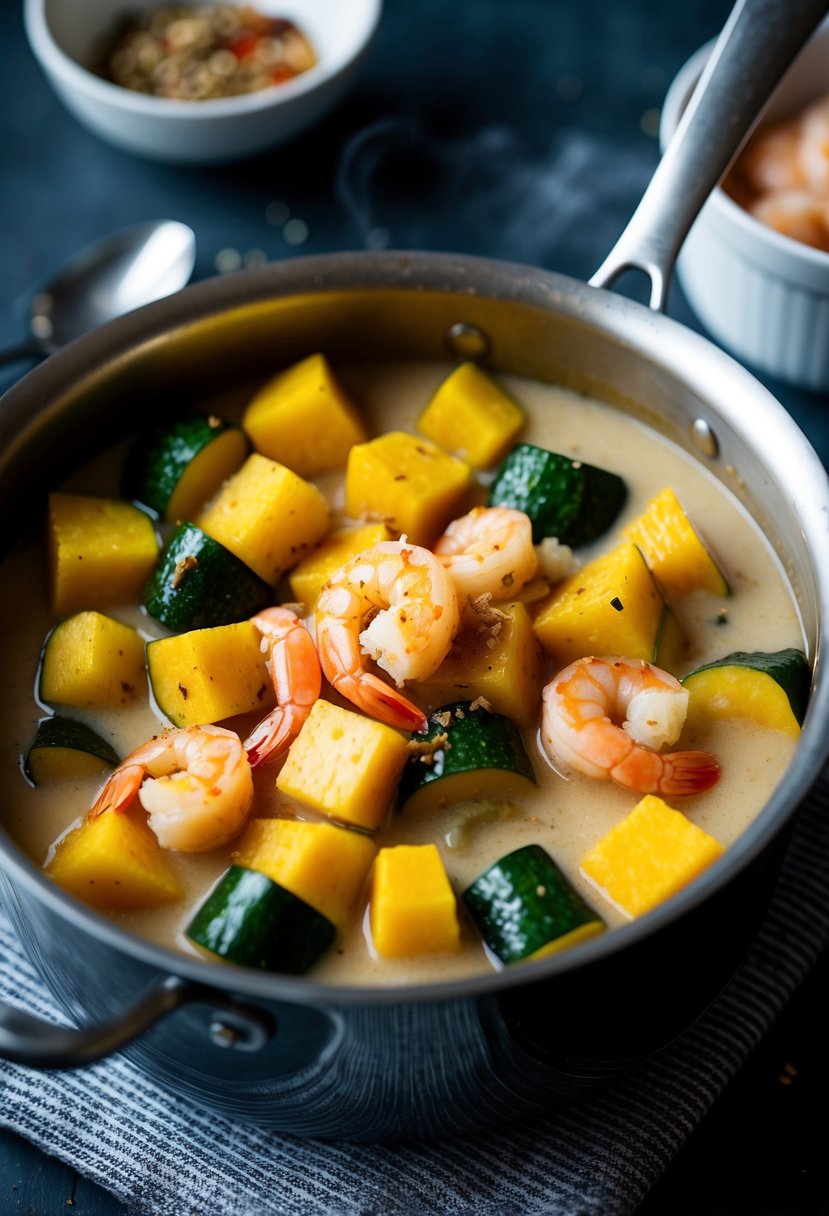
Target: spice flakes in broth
x=567 y=816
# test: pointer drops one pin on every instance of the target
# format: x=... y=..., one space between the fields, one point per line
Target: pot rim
x=660 y=341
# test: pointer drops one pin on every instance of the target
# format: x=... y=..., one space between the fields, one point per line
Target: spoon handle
x=31 y=349
x=759 y=41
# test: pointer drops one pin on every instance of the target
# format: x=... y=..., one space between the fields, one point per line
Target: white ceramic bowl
x=759 y=293
x=62 y=33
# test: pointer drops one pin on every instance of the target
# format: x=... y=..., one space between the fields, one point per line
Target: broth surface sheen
x=565 y=816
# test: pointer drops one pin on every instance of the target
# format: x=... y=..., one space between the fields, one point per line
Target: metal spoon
x=110 y=277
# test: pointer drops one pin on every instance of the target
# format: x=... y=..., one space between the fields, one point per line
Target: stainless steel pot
x=446 y=1058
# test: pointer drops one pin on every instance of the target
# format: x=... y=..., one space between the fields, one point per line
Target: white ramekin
x=760 y=294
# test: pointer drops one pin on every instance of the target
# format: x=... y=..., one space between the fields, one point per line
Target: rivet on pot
x=467 y=342
x=704 y=439
x=240 y=1033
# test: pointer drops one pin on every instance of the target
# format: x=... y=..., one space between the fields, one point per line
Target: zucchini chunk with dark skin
x=251 y=920
x=198 y=584
x=466 y=752
x=177 y=468
x=63 y=748
x=524 y=907
x=566 y=498
x=769 y=688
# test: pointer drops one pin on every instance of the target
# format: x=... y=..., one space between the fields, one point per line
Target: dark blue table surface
x=523 y=131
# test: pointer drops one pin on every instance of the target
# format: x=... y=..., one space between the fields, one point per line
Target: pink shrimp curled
x=607 y=717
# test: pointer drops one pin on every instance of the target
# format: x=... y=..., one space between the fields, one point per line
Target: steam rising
x=405 y=188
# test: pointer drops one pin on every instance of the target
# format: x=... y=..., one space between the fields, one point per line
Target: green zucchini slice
x=771 y=689
x=468 y=752
x=63 y=748
x=198 y=584
x=250 y=920
x=177 y=468
x=525 y=908
x=566 y=498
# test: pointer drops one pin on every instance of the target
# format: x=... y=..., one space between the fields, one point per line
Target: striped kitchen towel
x=166 y=1156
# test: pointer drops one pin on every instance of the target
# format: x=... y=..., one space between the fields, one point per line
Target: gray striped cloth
x=166 y=1156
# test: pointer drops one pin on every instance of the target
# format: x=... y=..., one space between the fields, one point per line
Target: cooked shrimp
x=581 y=711
x=796 y=213
x=772 y=159
x=813 y=147
x=489 y=550
x=195 y=783
x=415 y=616
x=295 y=670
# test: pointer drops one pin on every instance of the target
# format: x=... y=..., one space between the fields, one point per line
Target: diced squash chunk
x=207 y=675
x=63 y=763
x=495 y=656
x=673 y=550
x=267 y=516
x=316 y=568
x=92 y=661
x=611 y=606
x=115 y=863
x=739 y=692
x=344 y=765
x=322 y=864
x=305 y=419
x=406 y=482
x=63 y=749
x=653 y=853
x=413 y=909
x=101 y=551
x=206 y=472
x=472 y=416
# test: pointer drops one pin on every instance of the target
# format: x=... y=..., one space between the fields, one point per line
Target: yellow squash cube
x=318 y=862
x=406 y=482
x=739 y=692
x=267 y=516
x=472 y=416
x=413 y=909
x=92 y=661
x=307 y=579
x=673 y=549
x=653 y=853
x=101 y=551
x=207 y=675
x=610 y=607
x=115 y=863
x=304 y=419
x=495 y=655
x=344 y=765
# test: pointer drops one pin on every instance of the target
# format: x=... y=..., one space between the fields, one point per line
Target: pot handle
x=759 y=41
x=26 y=1039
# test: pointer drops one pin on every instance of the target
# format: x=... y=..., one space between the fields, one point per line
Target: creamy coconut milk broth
x=565 y=816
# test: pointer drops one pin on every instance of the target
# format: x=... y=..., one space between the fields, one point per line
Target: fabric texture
x=165 y=1156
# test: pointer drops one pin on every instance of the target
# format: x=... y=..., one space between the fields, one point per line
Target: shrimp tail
x=271 y=737
x=381 y=701
x=119 y=791
x=688 y=773
x=297 y=680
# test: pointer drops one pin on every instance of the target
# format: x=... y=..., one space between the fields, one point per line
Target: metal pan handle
x=758 y=43
x=26 y=1039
